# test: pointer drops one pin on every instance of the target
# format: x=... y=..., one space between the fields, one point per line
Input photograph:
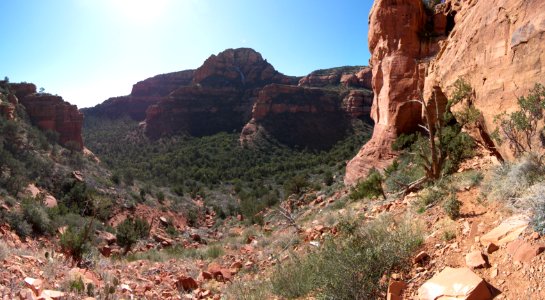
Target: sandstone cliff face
x=496 y=46
x=394 y=41
x=301 y=116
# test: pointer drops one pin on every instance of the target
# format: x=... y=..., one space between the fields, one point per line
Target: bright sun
x=140 y=10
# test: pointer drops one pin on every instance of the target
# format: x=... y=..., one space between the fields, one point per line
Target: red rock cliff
x=50 y=112
x=46 y=111
x=497 y=46
x=307 y=117
x=220 y=96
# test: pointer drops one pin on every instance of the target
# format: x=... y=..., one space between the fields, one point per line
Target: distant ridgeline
x=238 y=91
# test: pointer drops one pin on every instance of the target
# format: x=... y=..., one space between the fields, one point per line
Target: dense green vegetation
x=190 y=165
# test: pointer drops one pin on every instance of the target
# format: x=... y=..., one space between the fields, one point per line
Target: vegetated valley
x=418 y=179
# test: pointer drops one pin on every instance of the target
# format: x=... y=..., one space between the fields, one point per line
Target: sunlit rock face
x=496 y=46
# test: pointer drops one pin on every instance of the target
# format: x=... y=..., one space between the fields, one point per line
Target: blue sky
x=90 y=50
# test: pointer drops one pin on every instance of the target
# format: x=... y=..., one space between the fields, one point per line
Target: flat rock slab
x=455 y=283
x=508 y=231
x=523 y=251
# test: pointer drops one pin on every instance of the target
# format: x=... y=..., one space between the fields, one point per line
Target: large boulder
x=455 y=283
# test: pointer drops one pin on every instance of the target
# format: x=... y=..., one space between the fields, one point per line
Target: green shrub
x=37 y=217
x=371 y=187
x=130 y=231
x=77 y=286
x=296 y=185
x=76 y=241
x=328 y=178
x=538 y=209
x=452 y=206
x=350 y=267
x=18 y=223
x=404 y=141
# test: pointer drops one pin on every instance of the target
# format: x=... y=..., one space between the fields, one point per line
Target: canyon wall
x=496 y=46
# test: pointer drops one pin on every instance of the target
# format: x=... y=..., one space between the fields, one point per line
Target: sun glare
x=140 y=10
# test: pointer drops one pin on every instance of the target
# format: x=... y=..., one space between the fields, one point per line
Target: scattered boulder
x=455 y=283
x=491 y=248
x=186 y=283
x=36 y=285
x=50 y=201
x=522 y=251
x=420 y=257
x=509 y=230
x=476 y=259
x=395 y=290
x=51 y=294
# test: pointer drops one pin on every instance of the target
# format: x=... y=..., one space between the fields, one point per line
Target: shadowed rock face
x=307 y=117
x=50 y=112
x=143 y=94
x=495 y=46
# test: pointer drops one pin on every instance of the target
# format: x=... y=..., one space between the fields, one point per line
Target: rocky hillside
x=225 y=93
x=493 y=46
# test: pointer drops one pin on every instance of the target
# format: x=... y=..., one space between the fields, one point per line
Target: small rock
x=395 y=290
x=493 y=273
x=491 y=248
x=186 y=283
x=35 y=285
x=535 y=236
x=420 y=257
x=475 y=259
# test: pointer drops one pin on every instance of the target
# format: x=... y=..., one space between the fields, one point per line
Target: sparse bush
x=520 y=128
x=253 y=290
x=509 y=181
x=431 y=195
x=214 y=251
x=369 y=188
x=449 y=235
x=350 y=267
x=452 y=206
x=4 y=250
x=130 y=231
